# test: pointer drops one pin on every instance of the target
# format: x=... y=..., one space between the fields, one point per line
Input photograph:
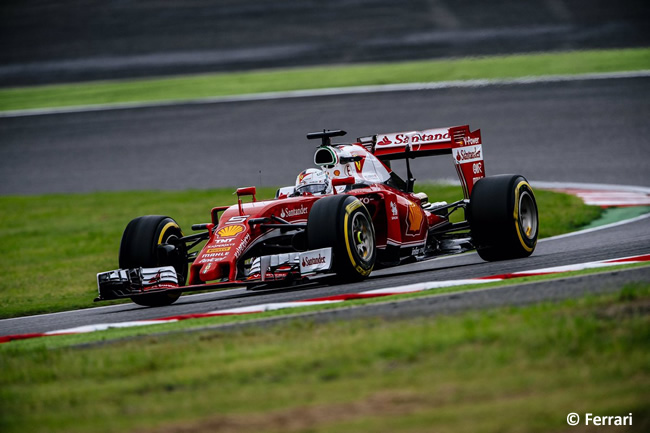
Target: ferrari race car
x=340 y=221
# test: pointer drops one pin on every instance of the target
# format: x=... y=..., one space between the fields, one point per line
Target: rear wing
x=464 y=145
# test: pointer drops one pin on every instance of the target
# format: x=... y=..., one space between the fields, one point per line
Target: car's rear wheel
x=140 y=248
x=503 y=217
x=343 y=223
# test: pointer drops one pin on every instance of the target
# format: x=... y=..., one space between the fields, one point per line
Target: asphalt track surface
x=581 y=131
x=585 y=131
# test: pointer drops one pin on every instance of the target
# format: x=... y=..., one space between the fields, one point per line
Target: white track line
x=334 y=91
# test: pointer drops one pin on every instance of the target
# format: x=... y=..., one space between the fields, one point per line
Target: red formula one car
x=351 y=215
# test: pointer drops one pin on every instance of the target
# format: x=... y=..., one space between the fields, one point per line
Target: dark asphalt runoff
x=592 y=131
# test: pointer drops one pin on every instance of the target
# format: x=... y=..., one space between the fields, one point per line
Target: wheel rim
x=528 y=215
x=362 y=237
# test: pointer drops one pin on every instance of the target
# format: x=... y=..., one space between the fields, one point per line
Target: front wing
x=277 y=268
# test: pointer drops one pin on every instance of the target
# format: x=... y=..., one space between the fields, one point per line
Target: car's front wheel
x=140 y=248
x=343 y=223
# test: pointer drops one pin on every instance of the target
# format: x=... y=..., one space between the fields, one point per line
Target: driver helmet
x=313 y=181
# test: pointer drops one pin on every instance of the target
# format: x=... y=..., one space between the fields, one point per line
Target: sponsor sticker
x=159 y=278
x=428 y=136
x=210 y=255
x=384 y=141
x=218 y=242
x=155 y=279
x=243 y=245
x=417 y=251
x=367 y=199
x=292 y=212
x=466 y=154
x=315 y=260
x=217 y=250
x=204 y=260
x=230 y=231
x=393 y=210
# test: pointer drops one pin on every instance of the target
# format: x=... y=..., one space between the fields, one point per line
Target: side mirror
x=242 y=192
x=342 y=181
x=250 y=190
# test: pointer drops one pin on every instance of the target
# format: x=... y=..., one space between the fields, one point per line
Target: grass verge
x=506 y=370
x=228 y=84
x=54 y=245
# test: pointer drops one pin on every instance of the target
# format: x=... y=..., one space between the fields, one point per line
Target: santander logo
x=286 y=212
x=308 y=261
x=464 y=155
x=384 y=142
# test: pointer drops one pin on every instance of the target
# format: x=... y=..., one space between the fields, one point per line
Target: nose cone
x=217 y=259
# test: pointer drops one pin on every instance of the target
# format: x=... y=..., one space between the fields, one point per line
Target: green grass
x=505 y=370
x=226 y=84
x=54 y=245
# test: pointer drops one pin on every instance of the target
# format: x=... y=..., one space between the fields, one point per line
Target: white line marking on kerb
x=334 y=91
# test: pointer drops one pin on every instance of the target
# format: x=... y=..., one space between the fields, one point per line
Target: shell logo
x=230 y=231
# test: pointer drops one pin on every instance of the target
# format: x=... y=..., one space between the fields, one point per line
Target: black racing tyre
x=139 y=248
x=343 y=223
x=503 y=217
